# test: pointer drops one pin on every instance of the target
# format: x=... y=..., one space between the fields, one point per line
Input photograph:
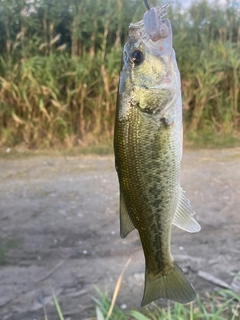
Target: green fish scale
x=148 y=170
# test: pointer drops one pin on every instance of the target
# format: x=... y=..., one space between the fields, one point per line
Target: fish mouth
x=154 y=32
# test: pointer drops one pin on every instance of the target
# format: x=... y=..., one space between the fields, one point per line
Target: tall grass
x=60 y=61
x=56 y=98
x=220 y=305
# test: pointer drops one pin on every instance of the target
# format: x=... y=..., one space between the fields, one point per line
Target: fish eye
x=137 y=56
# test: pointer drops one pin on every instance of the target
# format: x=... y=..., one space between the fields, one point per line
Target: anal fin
x=126 y=225
x=183 y=217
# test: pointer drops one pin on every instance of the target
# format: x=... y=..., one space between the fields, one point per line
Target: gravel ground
x=59 y=230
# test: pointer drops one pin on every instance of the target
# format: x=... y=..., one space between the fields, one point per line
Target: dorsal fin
x=183 y=218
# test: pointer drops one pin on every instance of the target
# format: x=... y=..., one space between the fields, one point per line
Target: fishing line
x=146 y=4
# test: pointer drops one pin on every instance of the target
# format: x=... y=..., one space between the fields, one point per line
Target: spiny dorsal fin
x=183 y=218
x=126 y=225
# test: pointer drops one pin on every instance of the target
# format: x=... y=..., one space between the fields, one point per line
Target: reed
x=60 y=61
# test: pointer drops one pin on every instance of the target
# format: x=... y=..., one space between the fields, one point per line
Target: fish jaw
x=162 y=44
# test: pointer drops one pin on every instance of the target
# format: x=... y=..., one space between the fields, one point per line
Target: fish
x=148 y=152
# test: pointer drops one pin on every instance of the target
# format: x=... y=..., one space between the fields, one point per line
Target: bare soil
x=59 y=230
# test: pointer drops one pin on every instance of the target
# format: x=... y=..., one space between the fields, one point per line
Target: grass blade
x=117 y=288
x=99 y=314
x=57 y=307
x=137 y=315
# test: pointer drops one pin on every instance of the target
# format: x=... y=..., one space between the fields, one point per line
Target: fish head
x=148 y=57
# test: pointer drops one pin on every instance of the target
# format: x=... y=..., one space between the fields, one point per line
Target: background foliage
x=60 y=61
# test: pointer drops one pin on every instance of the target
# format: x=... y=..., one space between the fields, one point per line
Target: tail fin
x=173 y=286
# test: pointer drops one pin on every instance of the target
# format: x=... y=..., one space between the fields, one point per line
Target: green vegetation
x=221 y=305
x=60 y=61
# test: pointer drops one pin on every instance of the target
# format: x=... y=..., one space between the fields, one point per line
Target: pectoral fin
x=183 y=218
x=126 y=225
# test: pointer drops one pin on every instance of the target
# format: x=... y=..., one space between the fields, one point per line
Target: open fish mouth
x=151 y=35
x=153 y=30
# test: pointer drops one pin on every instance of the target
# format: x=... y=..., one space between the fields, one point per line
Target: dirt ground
x=59 y=230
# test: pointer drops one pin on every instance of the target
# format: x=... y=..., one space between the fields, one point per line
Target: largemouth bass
x=148 y=151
